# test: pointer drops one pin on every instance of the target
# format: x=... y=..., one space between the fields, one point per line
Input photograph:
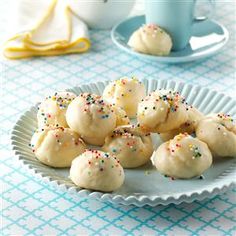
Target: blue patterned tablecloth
x=31 y=207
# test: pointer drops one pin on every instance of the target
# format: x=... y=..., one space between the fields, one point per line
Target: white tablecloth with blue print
x=31 y=207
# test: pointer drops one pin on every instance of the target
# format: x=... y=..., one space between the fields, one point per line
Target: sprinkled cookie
x=91 y=117
x=194 y=116
x=53 y=109
x=219 y=132
x=97 y=170
x=125 y=93
x=151 y=39
x=162 y=111
x=182 y=157
x=131 y=146
x=56 y=146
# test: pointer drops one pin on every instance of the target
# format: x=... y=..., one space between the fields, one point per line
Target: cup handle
x=211 y=12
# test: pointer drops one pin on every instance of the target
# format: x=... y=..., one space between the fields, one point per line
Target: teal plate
x=209 y=37
x=144 y=185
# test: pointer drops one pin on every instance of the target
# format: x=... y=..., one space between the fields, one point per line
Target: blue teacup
x=176 y=17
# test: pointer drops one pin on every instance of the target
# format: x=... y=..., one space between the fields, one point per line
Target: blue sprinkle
x=105 y=116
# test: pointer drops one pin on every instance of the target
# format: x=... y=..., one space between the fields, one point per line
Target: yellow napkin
x=46 y=28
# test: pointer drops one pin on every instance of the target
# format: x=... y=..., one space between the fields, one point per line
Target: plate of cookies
x=130 y=141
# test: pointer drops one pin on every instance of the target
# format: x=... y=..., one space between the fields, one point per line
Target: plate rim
x=168 y=59
x=207 y=192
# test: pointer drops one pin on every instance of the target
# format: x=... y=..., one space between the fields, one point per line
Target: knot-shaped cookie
x=52 y=111
x=97 y=170
x=151 y=39
x=125 y=93
x=162 y=111
x=218 y=131
x=182 y=157
x=92 y=117
x=131 y=146
x=56 y=146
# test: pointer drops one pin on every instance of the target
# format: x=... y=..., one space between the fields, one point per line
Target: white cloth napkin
x=46 y=28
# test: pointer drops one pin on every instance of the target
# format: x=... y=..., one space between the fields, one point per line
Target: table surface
x=31 y=207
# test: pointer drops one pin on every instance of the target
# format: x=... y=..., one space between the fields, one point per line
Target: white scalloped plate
x=143 y=186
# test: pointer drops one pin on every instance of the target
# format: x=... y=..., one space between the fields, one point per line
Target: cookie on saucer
x=151 y=39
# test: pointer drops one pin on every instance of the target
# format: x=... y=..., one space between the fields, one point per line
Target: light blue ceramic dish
x=209 y=37
x=143 y=185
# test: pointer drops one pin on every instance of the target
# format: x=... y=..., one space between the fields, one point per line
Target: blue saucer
x=209 y=37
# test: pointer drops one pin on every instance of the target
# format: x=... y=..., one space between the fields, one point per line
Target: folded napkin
x=46 y=28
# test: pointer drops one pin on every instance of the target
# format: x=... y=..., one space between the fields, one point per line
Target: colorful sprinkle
x=225 y=117
x=103 y=108
x=195 y=150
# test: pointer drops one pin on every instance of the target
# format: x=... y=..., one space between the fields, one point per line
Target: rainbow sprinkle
x=225 y=117
x=62 y=102
x=196 y=151
x=100 y=163
x=57 y=135
x=103 y=108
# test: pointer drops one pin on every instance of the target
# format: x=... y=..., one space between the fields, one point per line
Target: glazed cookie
x=97 y=170
x=194 y=116
x=52 y=110
x=162 y=111
x=121 y=116
x=131 y=146
x=183 y=157
x=56 y=146
x=151 y=39
x=125 y=93
x=91 y=117
x=219 y=132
